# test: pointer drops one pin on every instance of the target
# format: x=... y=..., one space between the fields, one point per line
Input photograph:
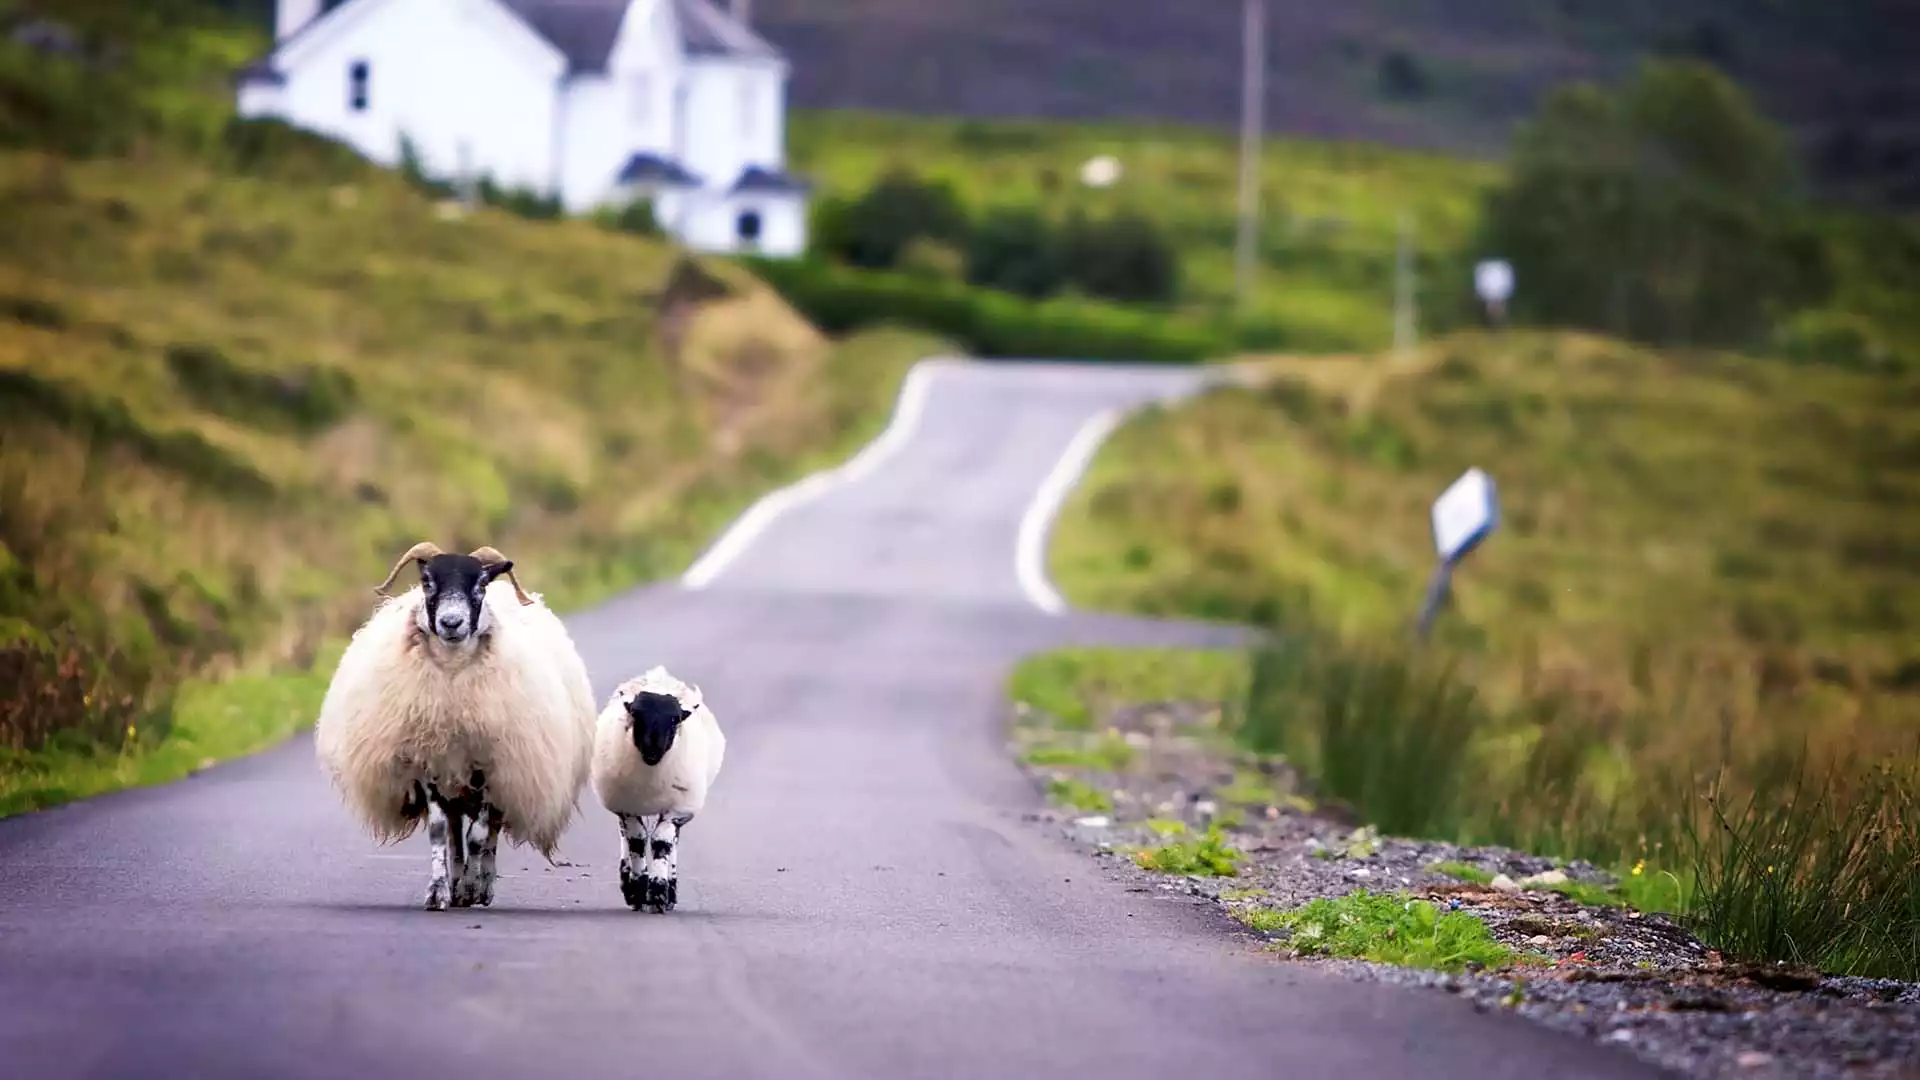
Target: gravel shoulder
x=1153 y=774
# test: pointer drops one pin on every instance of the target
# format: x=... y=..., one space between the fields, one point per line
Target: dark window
x=357 y=86
x=748 y=226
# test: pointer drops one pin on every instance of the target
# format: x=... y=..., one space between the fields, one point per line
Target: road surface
x=859 y=899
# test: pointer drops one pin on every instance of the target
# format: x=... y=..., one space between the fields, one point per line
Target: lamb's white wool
x=654 y=802
x=402 y=711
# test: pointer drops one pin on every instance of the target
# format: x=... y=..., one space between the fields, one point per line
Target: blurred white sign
x=1493 y=280
x=1099 y=172
x=1464 y=514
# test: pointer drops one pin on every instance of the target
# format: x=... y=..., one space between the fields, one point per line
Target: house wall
x=712 y=223
x=628 y=109
x=258 y=99
x=445 y=72
x=725 y=139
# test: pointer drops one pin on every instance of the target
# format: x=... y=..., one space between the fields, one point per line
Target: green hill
x=241 y=371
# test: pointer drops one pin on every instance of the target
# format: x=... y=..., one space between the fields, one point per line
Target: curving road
x=860 y=898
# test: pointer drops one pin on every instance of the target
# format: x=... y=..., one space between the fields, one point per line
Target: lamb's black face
x=656 y=719
x=454 y=588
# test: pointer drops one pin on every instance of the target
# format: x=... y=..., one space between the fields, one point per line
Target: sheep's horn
x=492 y=555
x=425 y=549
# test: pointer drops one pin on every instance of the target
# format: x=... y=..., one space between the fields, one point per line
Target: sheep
x=657 y=750
x=456 y=704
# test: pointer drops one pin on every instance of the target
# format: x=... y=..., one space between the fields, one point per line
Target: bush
x=274 y=148
x=1015 y=250
x=636 y=218
x=873 y=230
x=1663 y=213
x=1125 y=257
x=838 y=299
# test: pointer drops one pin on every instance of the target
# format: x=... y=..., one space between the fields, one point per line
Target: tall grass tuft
x=1384 y=732
x=1772 y=848
x=1818 y=870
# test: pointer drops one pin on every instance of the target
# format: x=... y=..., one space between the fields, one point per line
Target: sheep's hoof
x=438 y=896
x=660 y=894
x=633 y=890
x=473 y=890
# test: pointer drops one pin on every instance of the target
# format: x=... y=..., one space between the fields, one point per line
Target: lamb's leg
x=439 y=884
x=475 y=886
x=661 y=878
x=635 y=832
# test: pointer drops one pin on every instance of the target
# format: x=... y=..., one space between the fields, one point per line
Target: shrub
x=275 y=148
x=636 y=218
x=1014 y=249
x=873 y=230
x=307 y=399
x=838 y=299
x=1663 y=212
x=1125 y=257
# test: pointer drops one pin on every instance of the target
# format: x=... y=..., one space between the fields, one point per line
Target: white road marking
x=1030 y=549
x=906 y=416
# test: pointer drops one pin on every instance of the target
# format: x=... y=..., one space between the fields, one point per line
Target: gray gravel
x=1621 y=978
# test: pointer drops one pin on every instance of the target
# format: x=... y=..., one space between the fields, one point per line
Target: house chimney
x=742 y=11
x=291 y=15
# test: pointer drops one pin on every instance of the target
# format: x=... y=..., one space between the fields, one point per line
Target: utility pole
x=1403 y=300
x=1253 y=99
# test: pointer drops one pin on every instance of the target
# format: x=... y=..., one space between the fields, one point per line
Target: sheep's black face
x=656 y=719
x=454 y=597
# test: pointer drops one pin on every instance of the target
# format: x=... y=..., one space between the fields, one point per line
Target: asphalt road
x=859 y=899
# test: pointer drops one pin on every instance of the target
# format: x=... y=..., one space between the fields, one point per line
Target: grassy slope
x=1706 y=575
x=508 y=385
x=1650 y=500
x=1331 y=210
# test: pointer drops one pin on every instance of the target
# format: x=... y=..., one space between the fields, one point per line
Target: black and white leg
x=439 y=881
x=634 y=834
x=475 y=886
x=660 y=879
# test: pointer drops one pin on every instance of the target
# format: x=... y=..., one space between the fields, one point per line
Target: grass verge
x=1384 y=928
x=1687 y=651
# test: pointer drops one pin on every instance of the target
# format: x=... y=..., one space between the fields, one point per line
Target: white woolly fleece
x=403 y=708
x=679 y=784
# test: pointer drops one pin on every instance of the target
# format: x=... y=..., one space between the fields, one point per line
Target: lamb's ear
x=685 y=713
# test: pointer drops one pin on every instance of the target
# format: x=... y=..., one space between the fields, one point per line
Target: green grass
x=1699 y=594
x=1105 y=753
x=1386 y=929
x=242 y=370
x=1327 y=240
x=1206 y=856
x=212 y=721
x=1080 y=795
x=1076 y=687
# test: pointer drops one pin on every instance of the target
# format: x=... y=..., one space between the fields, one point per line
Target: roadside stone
x=1503 y=883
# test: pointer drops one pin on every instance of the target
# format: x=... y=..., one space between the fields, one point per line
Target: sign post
x=1493 y=281
x=1463 y=516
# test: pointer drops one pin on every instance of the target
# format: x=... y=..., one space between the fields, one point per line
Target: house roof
x=585 y=30
x=644 y=168
x=260 y=71
x=755 y=178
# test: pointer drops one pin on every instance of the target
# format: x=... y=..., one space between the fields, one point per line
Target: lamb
x=657 y=750
x=464 y=704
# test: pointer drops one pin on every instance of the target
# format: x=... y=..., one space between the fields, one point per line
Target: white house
x=598 y=101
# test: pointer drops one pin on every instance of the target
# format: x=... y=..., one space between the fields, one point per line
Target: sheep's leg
x=634 y=834
x=439 y=884
x=475 y=886
x=660 y=878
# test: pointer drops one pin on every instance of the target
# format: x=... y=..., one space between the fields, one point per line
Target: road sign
x=1464 y=514
x=1493 y=280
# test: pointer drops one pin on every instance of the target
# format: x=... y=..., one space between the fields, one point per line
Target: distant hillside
x=1429 y=74
x=1450 y=75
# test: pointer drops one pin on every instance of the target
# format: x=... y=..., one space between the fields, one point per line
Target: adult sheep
x=461 y=701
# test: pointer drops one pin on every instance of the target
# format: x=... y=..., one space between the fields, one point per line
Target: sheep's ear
x=685 y=713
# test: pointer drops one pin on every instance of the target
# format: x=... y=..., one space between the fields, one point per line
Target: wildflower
x=1639 y=868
